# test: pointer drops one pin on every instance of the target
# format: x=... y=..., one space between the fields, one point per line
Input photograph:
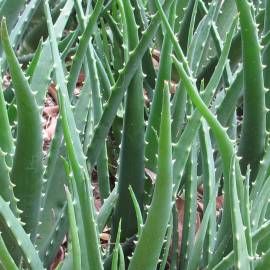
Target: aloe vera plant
x=172 y=114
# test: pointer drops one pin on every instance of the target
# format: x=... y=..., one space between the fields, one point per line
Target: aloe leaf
x=225 y=18
x=247 y=219
x=167 y=245
x=208 y=170
x=78 y=58
x=6 y=139
x=264 y=261
x=179 y=100
x=137 y=211
x=120 y=86
x=102 y=163
x=74 y=233
x=220 y=25
x=70 y=43
x=6 y=185
x=116 y=248
x=155 y=228
x=49 y=246
x=124 y=24
x=12 y=109
x=41 y=77
x=184 y=144
x=47 y=201
x=266 y=56
x=106 y=80
x=107 y=209
x=89 y=225
x=259 y=204
x=83 y=105
x=194 y=259
x=105 y=47
x=201 y=36
x=239 y=240
x=89 y=127
x=184 y=11
x=252 y=141
x=27 y=166
x=192 y=23
x=181 y=9
x=228 y=104
x=147 y=63
x=261 y=176
x=217 y=41
x=76 y=157
x=164 y=74
x=175 y=238
x=189 y=225
x=225 y=145
x=266 y=39
x=209 y=89
x=11 y=9
x=32 y=66
x=260 y=233
x=131 y=168
x=12 y=224
x=37 y=28
x=54 y=176
x=5 y=257
x=22 y=23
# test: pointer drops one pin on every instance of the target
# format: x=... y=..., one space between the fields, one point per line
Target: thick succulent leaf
x=120 y=87
x=10 y=9
x=91 y=70
x=6 y=139
x=83 y=45
x=164 y=74
x=131 y=167
x=167 y=245
x=264 y=261
x=116 y=248
x=76 y=157
x=16 y=231
x=49 y=246
x=200 y=40
x=189 y=225
x=27 y=166
x=252 y=141
x=225 y=145
x=208 y=169
x=107 y=209
x=228 y=104
x=194 y=259
x=137 y=211
x=186 y=140
x=32 y=66
x=261 y=176
x=228 y=261
x=266 y=61
x=259 y=204
x=22 y=24
x=41 y=77
x=241 y=257
x=154 y=230
x=74 y=233
x=5 y=257
x=6 y=186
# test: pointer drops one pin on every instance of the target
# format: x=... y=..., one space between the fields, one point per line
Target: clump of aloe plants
x=173 y=104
